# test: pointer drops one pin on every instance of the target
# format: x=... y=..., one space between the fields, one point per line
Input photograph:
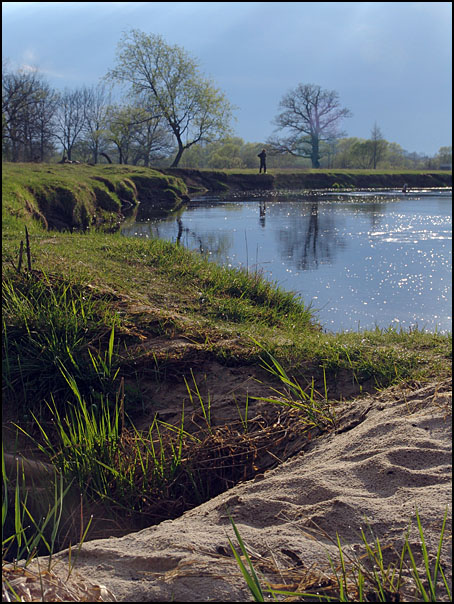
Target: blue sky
x=390 y=62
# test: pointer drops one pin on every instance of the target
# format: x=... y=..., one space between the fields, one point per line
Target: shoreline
x=223 y=181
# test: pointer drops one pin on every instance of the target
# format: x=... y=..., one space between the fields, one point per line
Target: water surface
x=361 y=259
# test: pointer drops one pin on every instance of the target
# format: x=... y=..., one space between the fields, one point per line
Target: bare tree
x=22 y=95
x=97 y=103
x=70 y=118
x=310 y=116
x=45 y=109
x=378 y=145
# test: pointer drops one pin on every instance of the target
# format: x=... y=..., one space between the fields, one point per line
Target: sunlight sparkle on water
x=360 y=259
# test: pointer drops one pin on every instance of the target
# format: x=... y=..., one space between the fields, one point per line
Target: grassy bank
x=247 y=180
x=80 y=197
x=98 y=326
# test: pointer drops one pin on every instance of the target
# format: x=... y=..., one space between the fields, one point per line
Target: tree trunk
x=315 y=155
x=107 y=157
x=176 y=161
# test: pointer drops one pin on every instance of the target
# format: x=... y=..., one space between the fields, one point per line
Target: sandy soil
x=389 y=456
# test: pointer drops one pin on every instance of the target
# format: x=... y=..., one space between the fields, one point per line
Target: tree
x=122 y=124
x=377 y=145
x=444 y=156
x=27 y=112
x=151 y=139
x=362 y=154
x=44 y=125
x=97 y=102
x=344 y=156
x=192 y=108
x=311 y=116
x=227 y=154
x=137 y=135
x=71 y=118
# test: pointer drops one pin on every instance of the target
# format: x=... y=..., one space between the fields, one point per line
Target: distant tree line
x=170 y=114
x=348 y=153
x=168 y=107
x=42 y=124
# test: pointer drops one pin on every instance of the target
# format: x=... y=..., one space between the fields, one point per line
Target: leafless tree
x=309 y=116
x=27 y=113
x=97 y=102
x=45 y=109
x=378 y=145
x=71 y=118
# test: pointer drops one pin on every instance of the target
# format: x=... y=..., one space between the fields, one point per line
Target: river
x=361 y=259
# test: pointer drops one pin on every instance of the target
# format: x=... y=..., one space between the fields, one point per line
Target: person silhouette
x=262 y=156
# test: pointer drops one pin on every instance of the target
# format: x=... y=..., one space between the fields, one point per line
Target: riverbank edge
x=206 y=181
x=81 y=197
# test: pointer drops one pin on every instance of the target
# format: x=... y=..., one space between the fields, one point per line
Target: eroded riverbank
x=199 y=181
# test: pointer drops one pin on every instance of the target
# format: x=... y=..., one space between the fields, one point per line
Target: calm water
x=361 y=259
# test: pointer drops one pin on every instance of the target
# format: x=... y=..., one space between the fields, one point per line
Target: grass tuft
x=362 y=578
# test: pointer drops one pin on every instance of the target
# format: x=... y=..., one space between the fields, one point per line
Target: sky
x=389 y=62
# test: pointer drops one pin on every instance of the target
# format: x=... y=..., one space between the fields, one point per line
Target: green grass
x=323 y=178
x=29 y=534
x=325 y=171
x=59 y=318
x=80 y=197
x=361 y=577
x=73 y=333
x=51 y=326
x=95 y=445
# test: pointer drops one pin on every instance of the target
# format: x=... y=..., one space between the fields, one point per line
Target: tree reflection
x=214 y=244
x=308 y=228
x=313 y=236
x=310 y=238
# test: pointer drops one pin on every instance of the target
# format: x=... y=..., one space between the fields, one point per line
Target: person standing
x=262 y=156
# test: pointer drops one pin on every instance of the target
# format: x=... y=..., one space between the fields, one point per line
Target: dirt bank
x=205 y=180
x=80 y=196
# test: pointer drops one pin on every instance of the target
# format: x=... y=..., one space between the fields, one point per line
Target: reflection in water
x=362 y=259
x=180 y=229
x=262 y=211
x=312 y=240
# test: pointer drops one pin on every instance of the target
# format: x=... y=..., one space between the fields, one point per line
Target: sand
x=389 y=457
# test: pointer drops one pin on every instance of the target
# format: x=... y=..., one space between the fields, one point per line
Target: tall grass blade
x=248 y=574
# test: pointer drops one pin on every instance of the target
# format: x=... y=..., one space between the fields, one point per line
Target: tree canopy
x=311 y=116
x=168 y=83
